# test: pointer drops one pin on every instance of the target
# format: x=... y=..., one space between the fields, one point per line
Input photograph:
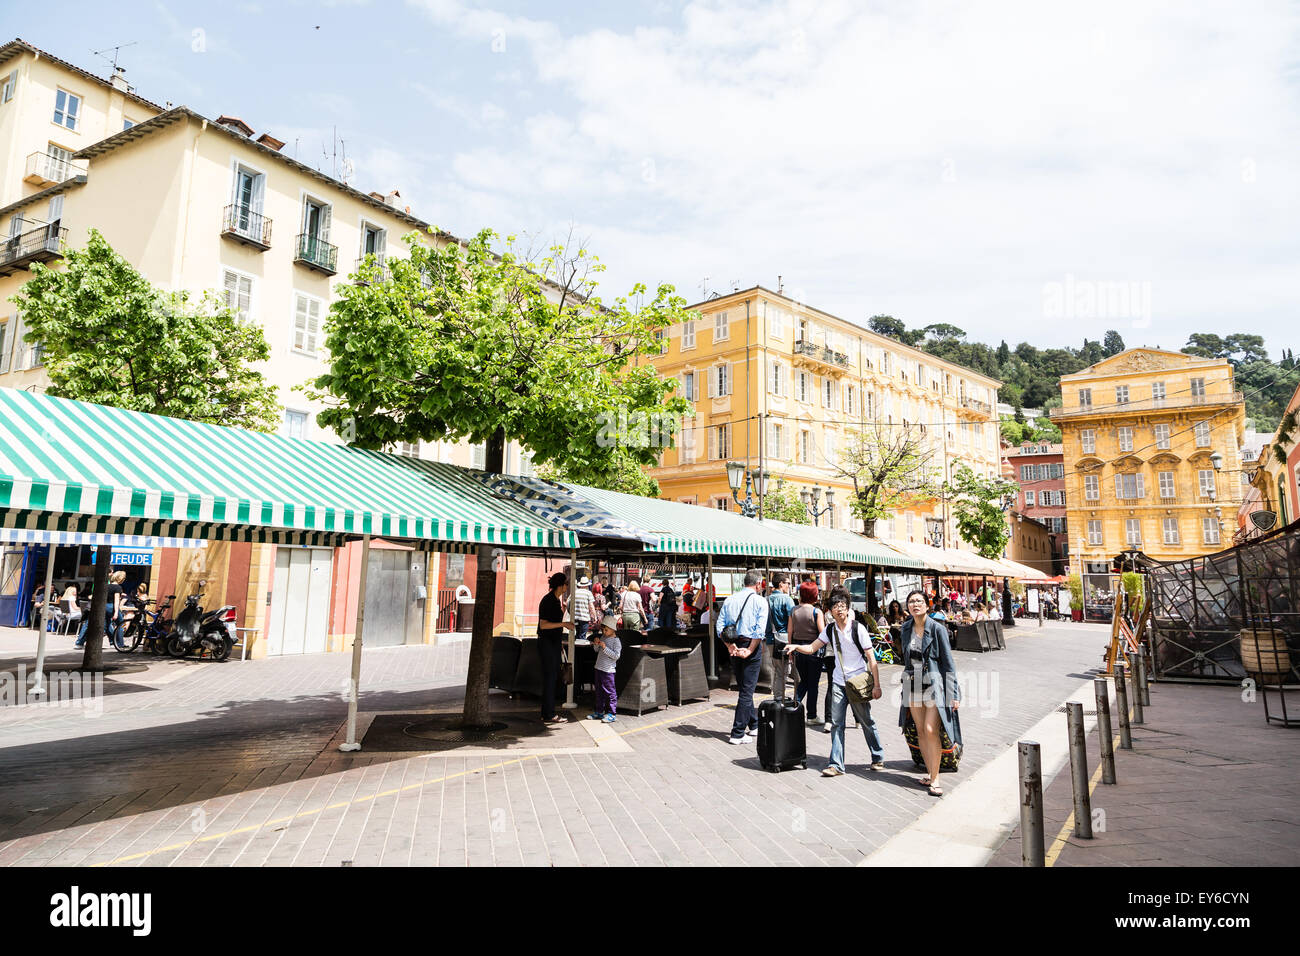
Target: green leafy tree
x=462 y=342
x=784 y=504
x=1206 y=345
x=1004 y=353
x=890 y=467
x=892 y=327
x=977 y=505
x=1113 y=343
x=624 y=475
x=112 y=338
x=1013 y=432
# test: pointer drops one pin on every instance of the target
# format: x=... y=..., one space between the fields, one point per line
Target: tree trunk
x=93 y=658
x=478 y=712
x=869 y=527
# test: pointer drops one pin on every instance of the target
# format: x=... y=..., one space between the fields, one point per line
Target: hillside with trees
x=1031 y=376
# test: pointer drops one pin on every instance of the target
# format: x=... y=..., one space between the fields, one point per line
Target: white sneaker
x=736 y=741
x=827 y=728
x=751 y=732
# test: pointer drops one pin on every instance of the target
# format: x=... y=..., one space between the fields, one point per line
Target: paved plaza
x=185 y=762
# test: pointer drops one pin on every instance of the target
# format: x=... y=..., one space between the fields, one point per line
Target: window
x=1166 y=479
x=526 y=467
x=687 y=453
x=1029 y=499
x=10 y=85
x=720 y=380
x=1205 y=480
x=688 y=334
x=408 y=449
x=248 y=189
x=1198 y=389
x=850 y=405
x=884 y=362
x=66 y=108
x=127 y=123
x=373 y=241
x=1026 y=471
x=776 y=441
x=478 y=456
x=775 y=322
x=722 y=504
x=690 y=390
x=1133 y=532
x=1171 y=530
x=1210 y=530
x=776 y=378
x=238 y=291
x=829 y=443
x=721 y=330
x=805 y=447
x=1126 y=439
x=1091 y=489
x=1162 y=436
x=719 y=442
x=1130 y=485
x=4 y=346
x=1158 y=391
x=828 y=392
x=1121 y=394
x=1088 y=438
x=1085 y=398
x=1056 y=470
x=803 y=386
x=1094 y=531
x=306 y=324
x=1202 y=434
x=295 y=424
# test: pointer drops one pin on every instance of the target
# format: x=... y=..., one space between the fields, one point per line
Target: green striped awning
x=845 y=547
x=73 y=466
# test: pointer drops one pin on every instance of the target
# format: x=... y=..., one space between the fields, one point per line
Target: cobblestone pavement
x=1207 y=783
x=200 y=763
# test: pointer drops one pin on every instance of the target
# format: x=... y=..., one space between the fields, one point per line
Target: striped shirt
x=583 y=603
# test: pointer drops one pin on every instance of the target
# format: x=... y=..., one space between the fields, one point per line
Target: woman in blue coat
x=930 y=691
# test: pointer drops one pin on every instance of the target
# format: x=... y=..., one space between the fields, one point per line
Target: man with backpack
x=742 y=626
x=854 y=683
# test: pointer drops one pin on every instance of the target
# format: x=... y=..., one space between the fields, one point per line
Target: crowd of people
x=121 y=604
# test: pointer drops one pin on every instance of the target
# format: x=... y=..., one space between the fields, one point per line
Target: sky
x=1022 y=170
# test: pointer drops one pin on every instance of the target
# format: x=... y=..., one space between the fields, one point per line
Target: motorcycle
x=197 y=630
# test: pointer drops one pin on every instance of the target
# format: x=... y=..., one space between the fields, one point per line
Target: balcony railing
x=1147 y=405
x=821 y=353
x=37 y=245
x=250 y=228
x=379 y=270
x=984 y=408
x=44 y=169
x=315 y=253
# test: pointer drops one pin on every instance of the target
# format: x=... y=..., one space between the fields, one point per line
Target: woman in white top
x=631 y=608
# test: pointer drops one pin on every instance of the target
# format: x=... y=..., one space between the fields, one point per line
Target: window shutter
x=713 y=444
x=4 y=347
x=313 y=324
x=300 y=325
x=1119 y=486
x=725 y=383
x=713 y=386
x=326 y=215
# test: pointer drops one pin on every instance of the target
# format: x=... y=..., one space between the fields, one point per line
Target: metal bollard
x=1101 y=689
x=1032 y=850
x=1121 y=703
x=1040 y=613
x=1079 y=772
x=1135 y=688
x=1144 y=686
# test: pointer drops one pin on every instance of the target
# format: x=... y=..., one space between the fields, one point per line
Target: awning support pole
x=354 y=685
x=569 y=703
x=38 y=685
x=708 y=603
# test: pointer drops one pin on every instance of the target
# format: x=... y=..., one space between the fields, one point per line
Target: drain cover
x=450 y=731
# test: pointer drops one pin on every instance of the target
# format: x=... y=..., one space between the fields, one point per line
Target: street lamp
x=738 y=477
x=812 y=501
x=934 y=531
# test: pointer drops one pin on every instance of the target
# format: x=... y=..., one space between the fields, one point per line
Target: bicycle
x=155 y=631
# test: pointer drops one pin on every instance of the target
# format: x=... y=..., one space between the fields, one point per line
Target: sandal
x=935 y=790
x=923 y=782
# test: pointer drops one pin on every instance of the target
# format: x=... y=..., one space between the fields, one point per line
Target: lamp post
x=738 y=477
x=812 y=501
x=934 y=531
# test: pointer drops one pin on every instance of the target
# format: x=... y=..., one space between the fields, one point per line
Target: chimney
x=236 y=124
x=394 y=199
x=266 y=139
x=118 y=79
x=377 y=196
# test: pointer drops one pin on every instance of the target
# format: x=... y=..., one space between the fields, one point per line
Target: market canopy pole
x=569 y=702
x=708 y=603
x=354 y=685
x=38 y=687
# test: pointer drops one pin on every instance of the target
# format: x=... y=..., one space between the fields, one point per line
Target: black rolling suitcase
x=781 y=742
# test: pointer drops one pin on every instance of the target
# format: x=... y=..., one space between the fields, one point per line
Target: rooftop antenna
x=780 y=286
x=704 y=287
x=103 y=54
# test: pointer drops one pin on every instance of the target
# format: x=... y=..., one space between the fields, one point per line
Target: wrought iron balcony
x=45 y=169
x=315 y=253
x=36 y=245
x=245 y=226
x=821 y=354
x=1147 y=405
x=984 y=408
x=378 y=271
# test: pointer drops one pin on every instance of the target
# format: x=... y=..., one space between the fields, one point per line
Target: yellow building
x=757 y=363
x=195 y=203
x=1152 y=445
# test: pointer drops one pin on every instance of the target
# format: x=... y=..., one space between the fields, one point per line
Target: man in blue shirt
x=780 y=605
x=747 y=610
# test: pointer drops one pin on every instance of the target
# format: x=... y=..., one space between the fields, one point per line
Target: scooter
x=194 y=629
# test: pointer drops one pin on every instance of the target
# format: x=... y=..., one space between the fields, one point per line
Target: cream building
x=768 y=375
x=195 y=203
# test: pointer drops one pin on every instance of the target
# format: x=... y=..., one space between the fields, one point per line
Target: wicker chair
x=505 y=662
x=971 y=637
x=641 y=681
x=687 y=677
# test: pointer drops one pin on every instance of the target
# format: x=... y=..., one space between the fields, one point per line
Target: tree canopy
x=113 y=338
x=890 y=467
x=977 y=506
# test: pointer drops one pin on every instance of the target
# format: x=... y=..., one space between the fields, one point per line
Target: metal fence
x=1199 y=607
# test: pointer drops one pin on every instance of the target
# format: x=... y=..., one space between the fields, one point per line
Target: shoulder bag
x=729 y=632
x=860 y=687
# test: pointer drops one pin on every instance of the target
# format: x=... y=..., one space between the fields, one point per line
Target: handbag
x=729 y=632
x=860 y=687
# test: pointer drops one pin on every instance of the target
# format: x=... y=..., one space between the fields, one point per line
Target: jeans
x=606 y=693
x=549 y=650
x=810 y=675
x=746 y=672
x=828 y=663
x=112 y=630
x=839 y=717
x=580 y=630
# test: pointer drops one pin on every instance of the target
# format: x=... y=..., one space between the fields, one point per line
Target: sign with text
x=127 y=557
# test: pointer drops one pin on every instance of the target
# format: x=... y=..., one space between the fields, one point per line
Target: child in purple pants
x=608 y=648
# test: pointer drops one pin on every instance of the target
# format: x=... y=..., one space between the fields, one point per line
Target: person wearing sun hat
x=584 y=603
x=608 y=650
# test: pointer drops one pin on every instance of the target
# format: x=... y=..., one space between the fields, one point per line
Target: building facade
x=1275 y=475
x=1151 y=443
x=200 y=204
x=778 y=381
x=1039 y=469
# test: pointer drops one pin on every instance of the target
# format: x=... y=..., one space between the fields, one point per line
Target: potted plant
x=1075 y=583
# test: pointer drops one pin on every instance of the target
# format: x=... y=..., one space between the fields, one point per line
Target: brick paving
x=201 y=763
x=1207 y=783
